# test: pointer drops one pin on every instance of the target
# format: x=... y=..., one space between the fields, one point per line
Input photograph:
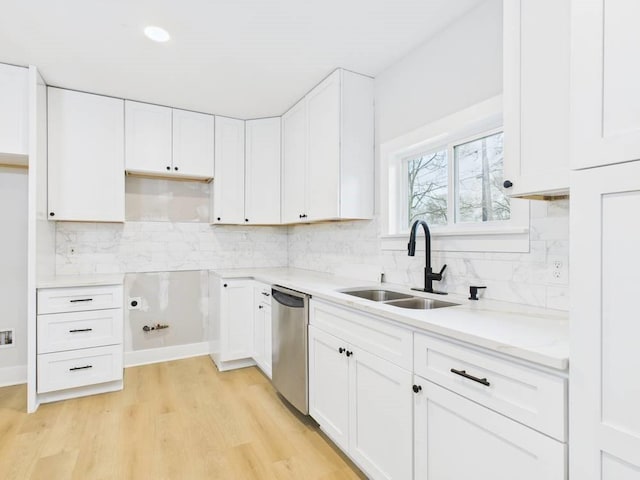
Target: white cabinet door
x=380 y=416
x=259 y=330
x=323 y=150
x=456 y=438
x=329 y=385
x=268 y=340
x=294 y=161
x=605 y=105
x=604 y=420
x=236 y=320
x=193 y=139
x=13 y=113
x=262 y=174
x=86 y=157
x=536 y=103
x=228 y=184
x=147 y=138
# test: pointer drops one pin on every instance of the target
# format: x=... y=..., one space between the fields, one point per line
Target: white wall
x=457 y=68
x=13 y=272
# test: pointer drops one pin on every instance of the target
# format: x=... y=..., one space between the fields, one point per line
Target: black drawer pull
x=75 y=330
x=81 y=300
x=463 y=373
x=80 y=368
x=266 y=294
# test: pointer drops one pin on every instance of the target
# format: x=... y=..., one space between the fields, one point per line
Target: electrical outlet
x=134 y=303
x=558 y=270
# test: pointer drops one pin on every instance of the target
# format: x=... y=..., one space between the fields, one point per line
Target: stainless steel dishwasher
x=290 y=318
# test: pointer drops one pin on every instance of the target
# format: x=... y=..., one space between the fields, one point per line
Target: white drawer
x=59 y=332
x=262 y=293
x=531 y=397
x=374 y=335
x=77 y=368
x=74 y=299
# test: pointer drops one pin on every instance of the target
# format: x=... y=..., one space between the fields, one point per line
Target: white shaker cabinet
x=262 y=171
x=86 y=157
x=604 y=425
x=148 y=138
x=262 y=336
x=456 y=438
x=232 y=316
x=536 y=97
x=193 y=144
x=294 y=163
x=228 y=185
x=362 y=402
x=14 y=146
x=328 y=151
x=605 y=74
x=167 y=142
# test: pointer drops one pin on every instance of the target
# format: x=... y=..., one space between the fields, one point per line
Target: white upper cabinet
x=329 y=157
x=148 y=138
x=605 y=73
x=294 y=162
x=86 y=157
x=262 y=171
x=228 y=186
x=193 y=141
x=163 y=141
x=536 y=97
x=14 y=146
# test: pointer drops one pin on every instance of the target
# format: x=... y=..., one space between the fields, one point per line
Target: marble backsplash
x=131 y=247
x=512 y=277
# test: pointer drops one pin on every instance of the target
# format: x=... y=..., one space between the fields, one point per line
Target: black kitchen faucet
x=429 y=276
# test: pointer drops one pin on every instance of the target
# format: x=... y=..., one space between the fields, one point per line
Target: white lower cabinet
x=363 y=403
x=236 y=319
x=457 y=439
x=262 y=347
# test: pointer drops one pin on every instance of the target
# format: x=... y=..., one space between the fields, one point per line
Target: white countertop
x=80 y=281
x=529 y=333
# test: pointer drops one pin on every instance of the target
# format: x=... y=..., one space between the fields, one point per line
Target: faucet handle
x=442 y=269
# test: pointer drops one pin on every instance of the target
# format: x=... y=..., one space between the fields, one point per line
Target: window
x=476 y=194
x=450 y=173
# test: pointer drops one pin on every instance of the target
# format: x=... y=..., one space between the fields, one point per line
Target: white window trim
x=504 y=236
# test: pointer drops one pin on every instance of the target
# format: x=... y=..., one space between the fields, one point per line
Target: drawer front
x=262 y=293
x=78 y=368
x=374 y=335
x=534 y=398
x=59 y=332
x=74 y=299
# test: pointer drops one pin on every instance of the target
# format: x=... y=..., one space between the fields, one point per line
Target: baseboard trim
x=165 y=354
x=13 y=375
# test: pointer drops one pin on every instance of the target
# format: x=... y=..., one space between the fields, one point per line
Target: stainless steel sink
x=416 y=303
x=378 y=295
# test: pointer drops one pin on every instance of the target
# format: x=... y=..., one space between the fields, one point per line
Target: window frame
x=470 y=124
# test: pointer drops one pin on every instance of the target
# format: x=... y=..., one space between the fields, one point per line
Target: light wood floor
x=173 y=420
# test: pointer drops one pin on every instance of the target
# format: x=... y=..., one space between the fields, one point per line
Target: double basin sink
x=396 y=299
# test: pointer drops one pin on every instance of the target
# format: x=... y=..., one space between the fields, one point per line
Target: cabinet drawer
x=77 y=368
x=534 y=398
x=262 y=293
x=365 y=331
x=59 y=332
x=73 y=299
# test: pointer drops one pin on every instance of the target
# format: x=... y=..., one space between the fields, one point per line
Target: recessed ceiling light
x=157 y=34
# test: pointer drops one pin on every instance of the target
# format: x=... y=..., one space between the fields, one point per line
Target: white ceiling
x=242 y=58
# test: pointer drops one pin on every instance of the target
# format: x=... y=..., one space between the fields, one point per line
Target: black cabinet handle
x=51 y=214
x=219 y=218
x=168 y=167
x=342 y=350
x=225 y=285
x=417 y=388
x=81 y=300
x=304 y=215
x=507 y=184
x=175 y=168
x=463 y=373
x=80 y=368
x=75 y=330
x=260 y=307
x=266 y=294
x=349 y=353
x=246 y=219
